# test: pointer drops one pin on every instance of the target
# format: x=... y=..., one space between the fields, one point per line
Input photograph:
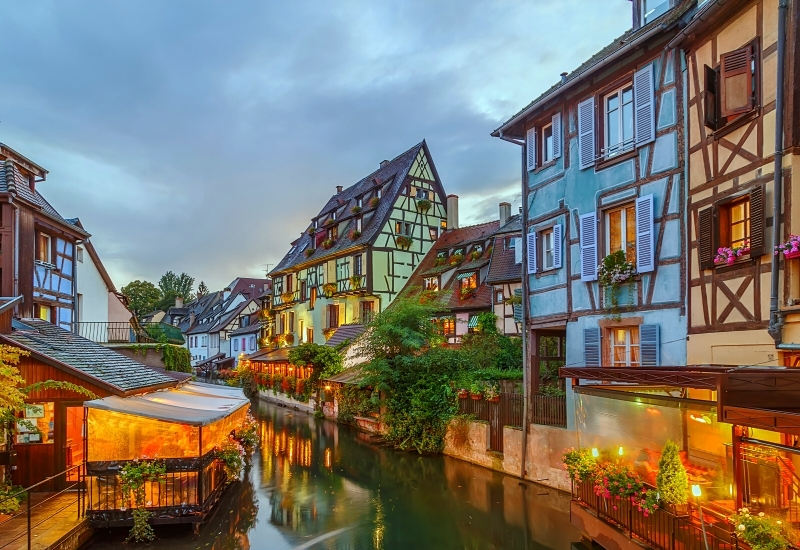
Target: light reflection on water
x=314 y=484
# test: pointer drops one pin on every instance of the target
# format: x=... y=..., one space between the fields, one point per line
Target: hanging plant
x=423 y=205
x=456 y=259
x=308 y=252
x=133 y=477
x=404 y=242
x=327 y=244
x=356 y=281
x=613 y=272
x=354 y=234
x=356 y=209
x=374 y=201
x=728 y=255
x=328 y=289
x=247 y=433
x=232 y=455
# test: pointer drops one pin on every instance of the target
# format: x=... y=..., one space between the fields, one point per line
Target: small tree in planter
x=672 y=481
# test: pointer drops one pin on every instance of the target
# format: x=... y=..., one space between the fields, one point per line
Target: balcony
x=104 y=332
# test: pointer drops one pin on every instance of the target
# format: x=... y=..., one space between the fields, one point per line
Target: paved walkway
x=50 y=521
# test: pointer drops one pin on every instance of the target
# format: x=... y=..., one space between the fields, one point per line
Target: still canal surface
x=314 y=484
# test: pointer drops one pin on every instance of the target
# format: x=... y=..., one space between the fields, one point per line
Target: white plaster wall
x=94 y=304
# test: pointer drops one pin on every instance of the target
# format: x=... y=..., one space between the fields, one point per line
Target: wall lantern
x=595 y=452
x=696 y=490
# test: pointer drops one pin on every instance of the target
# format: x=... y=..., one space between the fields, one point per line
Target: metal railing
x=79 y=486
x=549 y=411
x=661 y=530
x=120 y=332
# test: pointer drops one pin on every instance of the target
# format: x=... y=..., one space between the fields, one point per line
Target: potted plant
x=354 y=234
x=759 y=531
x=456 y=259
x=474 y=255
x=671 y=481
x=476 y=391
x=616 y=270
x=439 y=261
x=356 y=209
x=790 y=249
x=492 y=393
x=423 y=205
x=462 y=393
x=308 y=252
x=467 y=292
x=374 y=201
x=356 y=281
x=328 y=289
x=404 y=242
x=729 y=255
x=327 y=244
x=311 y=231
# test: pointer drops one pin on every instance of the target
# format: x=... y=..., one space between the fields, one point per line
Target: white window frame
x=622 y=146
x=626 y=345
x=548 y=235
x=547 y=156
x=623 y=230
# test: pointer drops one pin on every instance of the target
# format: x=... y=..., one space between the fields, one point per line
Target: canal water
x=314 y=484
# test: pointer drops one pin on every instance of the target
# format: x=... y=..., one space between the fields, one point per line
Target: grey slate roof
x=390 y=177
x=13 y=181
x=344 y=333
x=86 y=357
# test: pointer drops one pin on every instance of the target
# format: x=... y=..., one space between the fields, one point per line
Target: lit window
x=621 y=231
x=443 y=224
x=619 y=121
x=44 y=312
x=431 y=283
x=470 y=281
x=625 y=347
x=735 y=224
x=547 y=144
x=448 y=325
x=433 y=233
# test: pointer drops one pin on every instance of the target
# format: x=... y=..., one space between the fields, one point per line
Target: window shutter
x=710 y=99
x=518 y=307
x=644 y=106
x=649 y=345
x=586 y=146
x=530 y=148
x=736 y=82
x=645 y=245
x=557 y=246
x=557 y=135
x=518 y=250
x=589 y=247
x=705 y=238
x=757 y=245
x=591 y=346
x=531 y=253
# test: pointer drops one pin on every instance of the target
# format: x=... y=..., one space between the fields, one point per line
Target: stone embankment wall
x=281 y=399
x=470 y=441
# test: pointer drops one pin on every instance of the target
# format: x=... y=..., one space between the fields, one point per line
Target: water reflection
x=314 y=484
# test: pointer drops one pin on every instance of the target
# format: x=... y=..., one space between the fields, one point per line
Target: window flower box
x=467 y=293
x=356 y=209
x=790 y=249
x=404 y=242
x=327 y=244
x=423 y=205
x=354 y=234
x=729 y=255
x=287 y=297
x=456 y=259
x=308 y=252
x=356 y=282
x=328 y=289
x=374 y=201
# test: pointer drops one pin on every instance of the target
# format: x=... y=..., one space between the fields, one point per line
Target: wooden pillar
x=738 y=465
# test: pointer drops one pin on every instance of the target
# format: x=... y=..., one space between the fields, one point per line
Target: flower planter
x=789 y=255
x=494 y=399
x=463 y=394
x=476 y=396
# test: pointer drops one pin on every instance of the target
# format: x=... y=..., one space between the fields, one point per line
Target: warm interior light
x=621 y=451
x=327 y=387
x=730 y=489
x=696 y=490
x=700 y=419
x=595 y=452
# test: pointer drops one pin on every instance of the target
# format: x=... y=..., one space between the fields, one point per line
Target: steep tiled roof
x=390 y=178
x=87 y=358
x=513 y=225
x=503 y=266
x=253 y=327
x=596 y=61
x=12 y=180
x=345 y=333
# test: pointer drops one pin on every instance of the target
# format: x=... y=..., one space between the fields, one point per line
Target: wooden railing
x=549 y=411
x=661 y=530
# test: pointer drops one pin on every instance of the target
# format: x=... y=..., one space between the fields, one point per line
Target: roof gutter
x=703 y=16
x=599 y=65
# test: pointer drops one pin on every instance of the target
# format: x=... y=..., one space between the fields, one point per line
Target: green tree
x=202 y=289
x=487 y=348
x=173 y=286
x=672 y=481
x=324 y=360
x=143 y=296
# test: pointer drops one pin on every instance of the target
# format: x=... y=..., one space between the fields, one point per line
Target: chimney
x=452 y=211
x=384 y=163
x=505 y=213
x=191 y=318
x=226 y=293
x=178 y=301
x=563 y=77
x=338 y=188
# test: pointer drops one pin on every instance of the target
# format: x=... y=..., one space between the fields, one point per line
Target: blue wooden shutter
x=645 y=242
x=557 y=246
x=586 y=146
x=530 y=148
x=589 y=247
x=644 y=106
x=518 y=307
x=649 y=345
x=557 y=136
x=591 y=346
x=531 y=253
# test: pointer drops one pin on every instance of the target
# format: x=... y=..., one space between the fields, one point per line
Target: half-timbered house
x=505 y=271
x=359 y=251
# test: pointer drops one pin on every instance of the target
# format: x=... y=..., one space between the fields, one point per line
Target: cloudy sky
x=201 y=136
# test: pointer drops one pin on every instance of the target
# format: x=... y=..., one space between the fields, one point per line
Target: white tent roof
x=193 y=403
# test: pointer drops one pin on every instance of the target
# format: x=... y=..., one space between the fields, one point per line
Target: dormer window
x=360 y=202
x=315 y=224
x=652 y=9
x=333 y=215
x=378 y=192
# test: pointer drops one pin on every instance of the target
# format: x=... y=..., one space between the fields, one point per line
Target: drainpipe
x=525 y=355
x=775 y=316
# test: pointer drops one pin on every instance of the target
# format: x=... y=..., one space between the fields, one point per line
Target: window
x=360 y=202
x=332 y=315
x=290 y=328
x=358 y=264
x=303 y=291
x=652 y=9
x=300 y=331
x=621 y=231
x=624 y=347
x=731 y=89
x=281 y=324
x=359 y=222
x=332 y=233
x=510 y=243
x=431 y=283
x=252 y=343
x=735 y=223
x=443 y=224
x=378 y=193
x=310 y=335
x=402 y=228
x=422 y=193
x=44 y=312
x=235 y=344
x=43 y=248
x=313 y=297
x=547 y=144
x=433 y=233
x=548 y=259
x=289 y=283
x=498 y=297
x=618 y=121
x=333 y=215
x=468 y=280
x=79 y=254
x=448 y=325
x=367 y=311
x=315 y=224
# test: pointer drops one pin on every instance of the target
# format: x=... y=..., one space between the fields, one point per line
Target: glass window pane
x=612 y=123
x=627 y=122
x=614 y=231
x=630 y=234
x=653 y=8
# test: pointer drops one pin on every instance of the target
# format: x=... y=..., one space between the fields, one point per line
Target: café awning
x=466 y=275
x=193 y=404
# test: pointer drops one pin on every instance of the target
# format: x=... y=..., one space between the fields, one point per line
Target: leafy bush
x=579 y=463
x=760 y=531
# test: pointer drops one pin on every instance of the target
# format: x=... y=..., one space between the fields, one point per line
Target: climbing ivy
x=175 y=358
